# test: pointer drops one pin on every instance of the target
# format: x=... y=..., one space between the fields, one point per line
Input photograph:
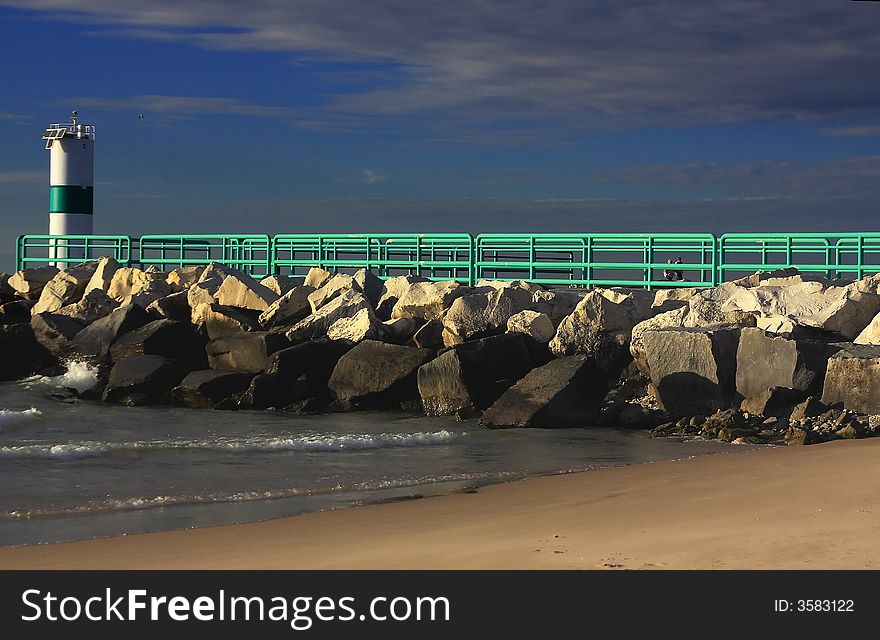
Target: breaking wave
x=11 y=416
x=309 y=443
x=79 y=375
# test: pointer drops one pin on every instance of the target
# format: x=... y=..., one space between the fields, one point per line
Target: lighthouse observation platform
x=625 y=259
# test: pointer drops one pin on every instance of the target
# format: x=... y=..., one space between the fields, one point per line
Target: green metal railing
x=249 y=252
x=606 y=259
x=625 y=259
x=33 y=250
x=443 y=256
x=832 y=255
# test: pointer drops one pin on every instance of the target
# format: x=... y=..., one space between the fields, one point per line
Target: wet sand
x=815 y=507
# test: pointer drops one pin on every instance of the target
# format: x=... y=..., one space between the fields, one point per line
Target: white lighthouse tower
x=71 y=185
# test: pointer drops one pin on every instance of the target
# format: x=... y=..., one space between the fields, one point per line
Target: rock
x=248 y=352
x=94 y=305
x=392 y=290
x=707 y=309
x=143 y=380
x=430 y=335
x=809 y=408
x=182 y=278
x=797 y=436
x=471 y=376
x=669 y=299
x=871 y=333
x=173 y=307
x=428 y=300
x=29 y=283
x=533 y=324
x=203 y=292
x=334 y=287
x=217 y=321
x=361 y=326
x=55 y=333
x=557 y=304
x=377 y=375
x=765 y=360
x=169 y=338
x=97 y=338
x=66 y=287
x=692 y=370
x=369 y=284
x=7 y=293
x=103 y=275
x=295 y=374
x=280 y=284
x=20 y=353
x=667 y=320
x=134 y=286
x=208 y=389
x=776 y=402
x=601 y=311
x=486 y=285
x=483 y=314
x=16 y=312
x=564 y=392
x=243 y=292
x=346 y=305
x=317 y=278
x=848 y=316
x=853 y=379
x=290 y=308
x=400 y=330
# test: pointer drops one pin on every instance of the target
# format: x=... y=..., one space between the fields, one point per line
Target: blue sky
x=393 y=115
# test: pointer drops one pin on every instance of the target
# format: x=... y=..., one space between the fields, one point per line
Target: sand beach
x=815 y=507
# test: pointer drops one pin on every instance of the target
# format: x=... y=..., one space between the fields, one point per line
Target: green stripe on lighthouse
x=67 y=199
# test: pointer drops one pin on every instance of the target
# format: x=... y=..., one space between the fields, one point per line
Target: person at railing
x=673 y=274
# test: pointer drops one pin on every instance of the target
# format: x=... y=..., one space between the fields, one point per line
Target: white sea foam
x=313 y=443
x=79 y=375
x=12 y=416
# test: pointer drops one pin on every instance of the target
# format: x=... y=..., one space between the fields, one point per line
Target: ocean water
x=71 y=469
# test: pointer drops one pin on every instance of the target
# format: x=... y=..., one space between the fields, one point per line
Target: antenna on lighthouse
x=71 y=187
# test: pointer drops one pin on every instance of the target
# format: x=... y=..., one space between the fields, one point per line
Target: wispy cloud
x=15 y=118
x=19 y=177
x=184 y=106
x=852 y=132
x=371 y=176
x=585 y=62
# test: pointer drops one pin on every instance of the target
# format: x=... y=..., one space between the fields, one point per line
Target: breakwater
x=773 y=357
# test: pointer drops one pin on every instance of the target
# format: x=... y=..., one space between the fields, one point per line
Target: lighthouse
x=71 y=186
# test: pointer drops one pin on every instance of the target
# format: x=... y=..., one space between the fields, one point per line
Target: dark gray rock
x=169 y=338
x=97 y=338
x=809 y=408
x=56 y=333
x=296 y=374
x=16 y=312
x=853 y=379
x=430 y=335
x=776 y=402
x=174 y=307
x=143 y=380
x=370 y=285
x=765 y=360
x=20 y=353
x=472 y=375
x=209 y=389
x=248 y=352
x=377 y=375
x=565 y=392
x=797 y=436
x=693 y=371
